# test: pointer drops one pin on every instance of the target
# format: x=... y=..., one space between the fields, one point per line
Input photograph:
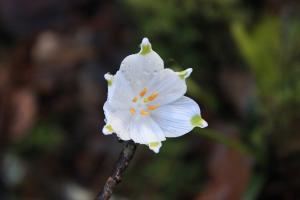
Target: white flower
x=146 y=102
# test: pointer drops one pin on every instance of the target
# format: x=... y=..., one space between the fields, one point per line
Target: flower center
x=142 y=103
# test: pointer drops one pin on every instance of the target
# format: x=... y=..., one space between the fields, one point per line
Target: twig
x=121 y=165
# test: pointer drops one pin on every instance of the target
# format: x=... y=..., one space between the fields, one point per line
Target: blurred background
x=246 y=60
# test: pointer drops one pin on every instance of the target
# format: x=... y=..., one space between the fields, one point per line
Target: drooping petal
x=176 y=119
x=144 y=130
x=155 y=146
x=117 y=121
x=120 y=92
x=139 y=68
x=167 y=85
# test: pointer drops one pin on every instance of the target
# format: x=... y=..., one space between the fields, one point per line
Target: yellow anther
x=143 y=92
x=151 y=97
x=152 y=107
x=144 y=113
x=134 y=100
x=132 y=111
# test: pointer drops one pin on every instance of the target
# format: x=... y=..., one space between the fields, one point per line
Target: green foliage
x=254 y=187
x=271 y=51
x=43 y=138
x=205 y=96
x=261 y=49
x=170 y=20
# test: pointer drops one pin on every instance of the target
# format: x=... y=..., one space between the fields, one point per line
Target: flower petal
x=155 y=146
x=120 y=92
x=139 y=68
x=185 y=73
x=168 y=85
x=107 y=129
x=118 y=121
x=109 y=78
x=144 y=130
x=198 y=121
x=175 y=119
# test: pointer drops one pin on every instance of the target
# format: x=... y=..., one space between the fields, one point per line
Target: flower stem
x=120 y=166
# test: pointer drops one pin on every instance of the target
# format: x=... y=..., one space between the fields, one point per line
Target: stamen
x=151 y=97
x=144 y=113
x=143 y=92
x=152 y=107
x=132 y=111
x=134 y=100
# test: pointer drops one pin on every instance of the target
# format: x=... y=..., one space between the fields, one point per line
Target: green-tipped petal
x=145 y=47
x=197 y=120
x=107 y=129
x=139 y=68
x=155 y=146
x=109 y=78
x=185 y=73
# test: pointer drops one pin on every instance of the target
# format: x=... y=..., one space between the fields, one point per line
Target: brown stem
x=121 y=165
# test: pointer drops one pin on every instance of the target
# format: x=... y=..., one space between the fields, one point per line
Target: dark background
x=246 y=60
